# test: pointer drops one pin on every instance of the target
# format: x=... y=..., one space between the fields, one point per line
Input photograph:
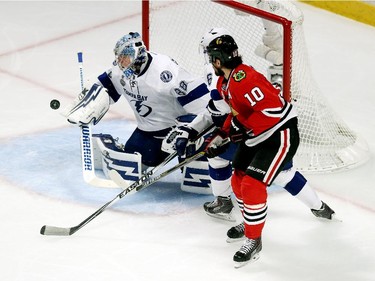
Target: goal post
x=287 y=36
x=175 y=28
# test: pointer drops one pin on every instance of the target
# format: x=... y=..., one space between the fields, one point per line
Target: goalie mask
x=219 y=44
x=130 y=53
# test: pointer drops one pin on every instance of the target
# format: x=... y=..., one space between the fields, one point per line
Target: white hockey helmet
x=132 y=46
x=208 y=37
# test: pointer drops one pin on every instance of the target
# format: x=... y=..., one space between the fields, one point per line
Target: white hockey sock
x=309 y=197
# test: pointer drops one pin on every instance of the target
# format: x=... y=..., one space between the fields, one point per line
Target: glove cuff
x=191 y=133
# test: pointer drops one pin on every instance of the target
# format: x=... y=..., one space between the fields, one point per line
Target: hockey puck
x=54 y=104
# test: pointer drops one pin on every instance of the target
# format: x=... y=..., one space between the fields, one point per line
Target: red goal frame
x=287 y=32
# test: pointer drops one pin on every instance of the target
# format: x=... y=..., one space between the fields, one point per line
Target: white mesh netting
x=176 y=28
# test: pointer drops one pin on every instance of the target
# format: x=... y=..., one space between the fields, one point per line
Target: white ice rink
x=161 y=233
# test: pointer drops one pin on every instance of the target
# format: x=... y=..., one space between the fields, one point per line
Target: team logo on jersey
x=166 y=76
x=142 y=109
x=238 y=76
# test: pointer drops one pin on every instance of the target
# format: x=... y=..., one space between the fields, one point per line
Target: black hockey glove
x=183 y=146
x=237 y=131
x=214 y=144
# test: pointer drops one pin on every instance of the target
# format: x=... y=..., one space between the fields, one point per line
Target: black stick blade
x=57 y=231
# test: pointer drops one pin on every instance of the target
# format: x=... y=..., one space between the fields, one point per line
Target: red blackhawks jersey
x=257 y=105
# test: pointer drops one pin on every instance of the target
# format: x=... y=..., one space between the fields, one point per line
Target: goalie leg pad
x=111 y=155
x=195 y=178
x=128 y=165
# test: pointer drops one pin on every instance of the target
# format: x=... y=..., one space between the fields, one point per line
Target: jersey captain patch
x=239 y=75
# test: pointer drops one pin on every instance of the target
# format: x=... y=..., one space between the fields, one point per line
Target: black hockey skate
x=248 y=252
x=236 y=233
x=221 y=208
x=324 y=212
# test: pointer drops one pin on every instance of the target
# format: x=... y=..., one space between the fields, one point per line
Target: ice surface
x=161 y=233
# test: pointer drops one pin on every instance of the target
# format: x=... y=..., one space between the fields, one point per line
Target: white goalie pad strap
x=195 y=178
x=91 y=108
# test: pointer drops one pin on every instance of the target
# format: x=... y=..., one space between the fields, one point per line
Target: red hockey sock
x=254 y=194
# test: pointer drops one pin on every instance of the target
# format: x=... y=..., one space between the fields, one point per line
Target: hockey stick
x=138 y=185
x=66 y=231
x=119 y=181
x=87 y=154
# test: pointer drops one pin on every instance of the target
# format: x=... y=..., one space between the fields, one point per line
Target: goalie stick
x=141 y=183
x=87 y=153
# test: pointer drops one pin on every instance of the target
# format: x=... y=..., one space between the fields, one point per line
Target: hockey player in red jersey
x=264 y=125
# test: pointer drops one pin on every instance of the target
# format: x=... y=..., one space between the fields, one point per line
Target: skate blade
x=336 y=218
x=222 y=216
x=241 y=264
x=234 y=240
x=333 y=218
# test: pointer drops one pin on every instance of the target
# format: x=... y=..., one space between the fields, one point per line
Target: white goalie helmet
x=208 y=37
x=132 y=47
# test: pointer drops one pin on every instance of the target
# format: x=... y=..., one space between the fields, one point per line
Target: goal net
x=175 y=28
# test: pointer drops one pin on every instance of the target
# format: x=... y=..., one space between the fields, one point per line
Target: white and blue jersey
x=160 y=93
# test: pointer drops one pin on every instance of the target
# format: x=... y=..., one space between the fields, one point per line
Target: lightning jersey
x=160 y=93
x=254 y=101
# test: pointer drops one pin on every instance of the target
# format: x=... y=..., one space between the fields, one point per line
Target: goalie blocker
x=109 y=154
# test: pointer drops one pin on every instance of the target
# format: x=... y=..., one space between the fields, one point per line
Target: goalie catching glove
x=91 y=106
